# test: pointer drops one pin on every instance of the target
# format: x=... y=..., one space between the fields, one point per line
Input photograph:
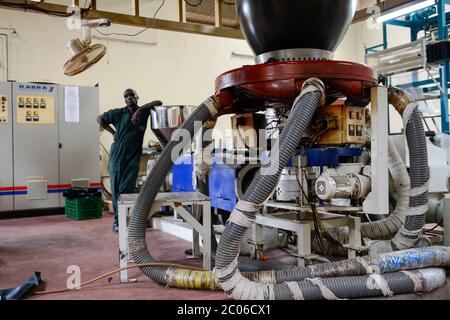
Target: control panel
x=3 y=110
x=340 y=124
x=35 y=110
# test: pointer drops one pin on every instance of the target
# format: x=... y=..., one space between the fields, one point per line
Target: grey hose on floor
x=419 y=258
x=138 y=223
x=367 y=286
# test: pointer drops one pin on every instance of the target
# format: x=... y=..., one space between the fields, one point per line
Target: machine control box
x=339 y=124
x=4 y=119
x=35 y=110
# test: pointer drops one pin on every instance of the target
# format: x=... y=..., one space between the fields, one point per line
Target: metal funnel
x=277 y=25
x=166 y=119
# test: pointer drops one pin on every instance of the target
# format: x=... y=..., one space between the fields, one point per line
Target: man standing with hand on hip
x=129 y=123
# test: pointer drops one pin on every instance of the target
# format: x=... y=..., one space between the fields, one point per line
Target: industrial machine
x=330 y=176
x=45 y=129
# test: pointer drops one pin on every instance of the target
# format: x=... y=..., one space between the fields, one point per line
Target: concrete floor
x=50 y=244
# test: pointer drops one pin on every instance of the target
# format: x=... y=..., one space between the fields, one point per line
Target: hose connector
x=399 y=98
x=311 y=85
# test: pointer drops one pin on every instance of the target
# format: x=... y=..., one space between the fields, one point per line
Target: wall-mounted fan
x=85 y=54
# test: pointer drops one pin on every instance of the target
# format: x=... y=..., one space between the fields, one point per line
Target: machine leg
x=354 y=236
x=207 y=229
x=256 y=242
x=446 y=216
x=303 y=243
x=123 y=242
x=195 y=235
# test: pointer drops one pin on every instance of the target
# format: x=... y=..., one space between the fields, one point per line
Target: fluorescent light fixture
x=405 y=10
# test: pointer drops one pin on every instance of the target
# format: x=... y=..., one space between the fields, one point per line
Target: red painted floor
x=51 y=244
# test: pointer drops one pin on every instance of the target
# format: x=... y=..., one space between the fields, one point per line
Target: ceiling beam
x=138 y=21
x=177 y=26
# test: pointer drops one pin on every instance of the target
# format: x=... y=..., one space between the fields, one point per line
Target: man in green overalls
x=129 y=123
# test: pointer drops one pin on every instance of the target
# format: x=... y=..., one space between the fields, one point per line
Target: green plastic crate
x=84 y=208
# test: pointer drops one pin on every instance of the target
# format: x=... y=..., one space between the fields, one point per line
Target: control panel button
x=29 y=118
x=35 y=118
x=359 y=131
x=351 y=130
x=351 y=115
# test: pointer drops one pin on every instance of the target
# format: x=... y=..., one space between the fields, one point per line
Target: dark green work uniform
x=126 y=151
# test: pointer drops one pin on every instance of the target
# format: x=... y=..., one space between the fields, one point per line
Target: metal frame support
x=377 y=202
x=303 y=227
x=177 y=201
x=446 y=216
x=444 y=67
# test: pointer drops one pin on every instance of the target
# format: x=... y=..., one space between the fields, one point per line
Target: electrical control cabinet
x=339 y=124
x=35 y=149
x=49 y=143
x=6 y=149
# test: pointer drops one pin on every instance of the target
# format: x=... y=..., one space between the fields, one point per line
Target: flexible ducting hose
x=138 y=222
x=287 y=283
x=388 y=227
x=404 y=226
x=367 y=286
x=262 y=186
x=284 y=284
x=411 y=229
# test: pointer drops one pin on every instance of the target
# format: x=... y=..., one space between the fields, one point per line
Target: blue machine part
x=182 y=174
x=329 y=157
x=222 y=186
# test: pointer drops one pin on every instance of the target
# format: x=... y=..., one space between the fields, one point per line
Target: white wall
x=179 y=69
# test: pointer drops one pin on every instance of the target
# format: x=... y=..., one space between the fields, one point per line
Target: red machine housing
x=282 y=81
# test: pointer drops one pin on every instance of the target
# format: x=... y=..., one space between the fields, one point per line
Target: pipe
x=420 y=258
x=411 y=229
x=138 y=222
x=262 y=186
x=366 y=286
